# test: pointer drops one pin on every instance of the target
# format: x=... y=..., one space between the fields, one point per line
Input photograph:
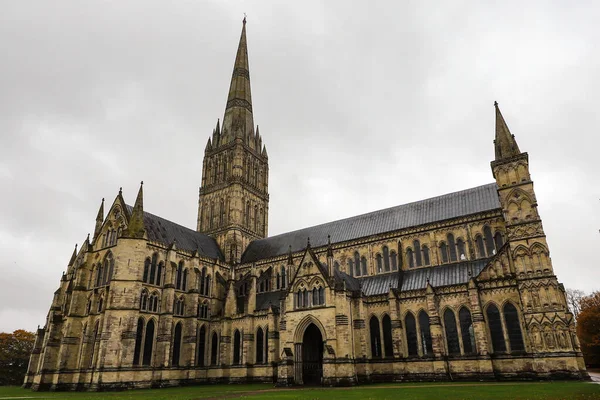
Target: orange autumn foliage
x=588 y=328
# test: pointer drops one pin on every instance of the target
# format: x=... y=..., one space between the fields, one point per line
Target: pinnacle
x=505 y=143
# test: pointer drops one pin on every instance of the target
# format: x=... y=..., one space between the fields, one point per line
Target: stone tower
x=234 y=200
x=546 y=316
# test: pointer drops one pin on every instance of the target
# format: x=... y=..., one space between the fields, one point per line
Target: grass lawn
x=406 y=391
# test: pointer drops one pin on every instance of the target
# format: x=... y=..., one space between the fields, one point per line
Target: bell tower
x=234 y=200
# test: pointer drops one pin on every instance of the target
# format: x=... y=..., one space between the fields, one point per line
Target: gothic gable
x=309 y=272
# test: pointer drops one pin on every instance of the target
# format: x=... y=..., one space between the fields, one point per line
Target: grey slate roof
x=415 y=279
x=452 y=205
x=443 y=275
x=165 y=231
x=264 y=299
x=351 y=282
x=379 y=284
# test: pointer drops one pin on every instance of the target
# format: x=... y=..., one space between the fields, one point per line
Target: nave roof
x=448 y=206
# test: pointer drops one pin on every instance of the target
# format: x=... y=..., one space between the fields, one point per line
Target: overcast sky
x=361 y=107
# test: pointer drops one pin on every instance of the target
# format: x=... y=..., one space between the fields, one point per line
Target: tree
x=574 y=297
x=588 y=328
x=15 y=349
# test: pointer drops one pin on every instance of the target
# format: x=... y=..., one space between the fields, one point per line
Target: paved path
x=595 y=375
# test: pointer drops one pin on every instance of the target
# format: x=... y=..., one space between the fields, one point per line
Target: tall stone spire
x=505 y=143
x=238 y=120
x=135 y=228
x=99 y=219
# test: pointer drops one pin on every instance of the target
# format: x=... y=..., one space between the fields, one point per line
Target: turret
x=519 y=205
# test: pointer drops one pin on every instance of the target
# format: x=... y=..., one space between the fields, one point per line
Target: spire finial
x=244 y=20
x=121 y=190
x=141 y=183
x=496 y=104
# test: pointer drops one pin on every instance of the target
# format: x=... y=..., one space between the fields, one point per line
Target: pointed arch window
x=409 y=258
x=356 y=264
x=148 y=343
x=99 y=274
x=388 y=346
x=278 y=281
x=480 y=246
x=259 y=346
x=237 y=347
x=451 y=332
x=426 y=344
x=255 y=218
x=201 y=349
x=498 y=241
x=513 y=328
x=144 y=300
x=351 y=267
x=489 y=241
x=214 y=349
x=100 y=303
x=179 y=307
x=139 y=336
x=460 y=246
x=203 y=310
x=452 y=247
x=410 y=326
x=444 y=252
x=363 y=263
x=386 y=259
x=466 y=328
x=152 y=278
x=321 y=296
x=417 y=250
x=184 y=280
x=379 y=261
x=375 y=337
x=394 y=260
x=179 y=276
x=153 y=302
x=222 y=212
x=176 y=355
x=146 y=270
x=283 y=277
x=425 y=250
x=495 y=329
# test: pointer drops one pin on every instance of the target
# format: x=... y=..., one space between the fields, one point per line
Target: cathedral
x=455 y=287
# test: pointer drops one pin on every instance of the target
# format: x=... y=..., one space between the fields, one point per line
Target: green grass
x=406 y=391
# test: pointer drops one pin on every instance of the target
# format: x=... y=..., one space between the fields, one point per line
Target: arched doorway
x=312 y=356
